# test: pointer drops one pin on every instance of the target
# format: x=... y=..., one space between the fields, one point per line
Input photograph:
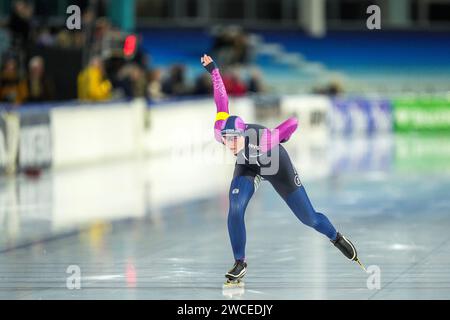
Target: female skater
x=259 y=155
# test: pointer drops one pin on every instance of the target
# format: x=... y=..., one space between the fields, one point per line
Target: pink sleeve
x=220 y=94
x=282 y=133
x=217 y=129
x=221 y=100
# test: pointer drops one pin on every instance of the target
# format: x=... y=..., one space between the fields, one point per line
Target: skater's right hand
x=208 y=63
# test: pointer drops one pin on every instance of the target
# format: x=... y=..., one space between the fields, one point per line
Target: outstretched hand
x=205 y=60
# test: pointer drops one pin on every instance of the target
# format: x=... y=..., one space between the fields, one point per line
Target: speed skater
x=260 y=156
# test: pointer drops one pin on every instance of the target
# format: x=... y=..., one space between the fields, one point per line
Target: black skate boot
x=347 y=248
x=237 y=272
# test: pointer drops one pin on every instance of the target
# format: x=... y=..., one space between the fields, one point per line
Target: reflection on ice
x=234 y=292
x=161 y=232
x=103 y=277
x=405 y=247
x=66 y=200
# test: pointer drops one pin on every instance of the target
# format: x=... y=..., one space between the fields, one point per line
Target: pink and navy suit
x=248 y=171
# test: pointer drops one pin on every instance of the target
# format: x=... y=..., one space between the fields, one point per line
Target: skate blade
x=361 y=265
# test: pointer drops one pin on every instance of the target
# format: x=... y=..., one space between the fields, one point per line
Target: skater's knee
x=240 y=194
x=311 y=221
x=310 y=218
x=236 y=208
x=236 y=212
x=314 y=223
x=317 y=221
x=241 y=189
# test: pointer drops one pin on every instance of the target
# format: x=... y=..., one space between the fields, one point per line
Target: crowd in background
x=35 y=86
x=24 y=78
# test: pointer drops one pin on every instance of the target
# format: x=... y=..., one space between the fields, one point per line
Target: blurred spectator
x=100 y=81
x=105 y=38
x=233 y=84
x=333 y=88
x=203 y=85
x=20 y=21
x=231 y=46
x=240 y=49
x=45 y=38
x=175 y=83
x=39 y=86
x=12 y=86
x=222 y=47
x=140 y=56
x=64 y=39
x=113 y=65
x=79 y=39
x=102 y=28
x=92 y=83
x=139 y=82
x=132 y=81
x=69 y=39
x=121 y=82
x=255 y=84
x=154 y=87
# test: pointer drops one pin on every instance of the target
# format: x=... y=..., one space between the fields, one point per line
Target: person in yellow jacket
x=92 y=83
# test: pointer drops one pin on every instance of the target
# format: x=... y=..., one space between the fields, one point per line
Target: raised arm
x=220 y=95
x=282 y=133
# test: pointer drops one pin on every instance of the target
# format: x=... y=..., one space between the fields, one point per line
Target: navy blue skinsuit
x=251 y=166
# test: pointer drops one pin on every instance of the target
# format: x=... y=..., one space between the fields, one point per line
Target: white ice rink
x=156 y=228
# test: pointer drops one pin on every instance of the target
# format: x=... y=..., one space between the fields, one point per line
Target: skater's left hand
x=208 y=63
x=205 y=60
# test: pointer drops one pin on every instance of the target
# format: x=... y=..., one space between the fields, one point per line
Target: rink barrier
x=67 y=134
x=9 y=142
x=35 y=140
x=310 y=110
x=71 y=133
x=360 y=116
x=3 y=145
x=429 y=114
x=96 y=133
x=187 y=123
